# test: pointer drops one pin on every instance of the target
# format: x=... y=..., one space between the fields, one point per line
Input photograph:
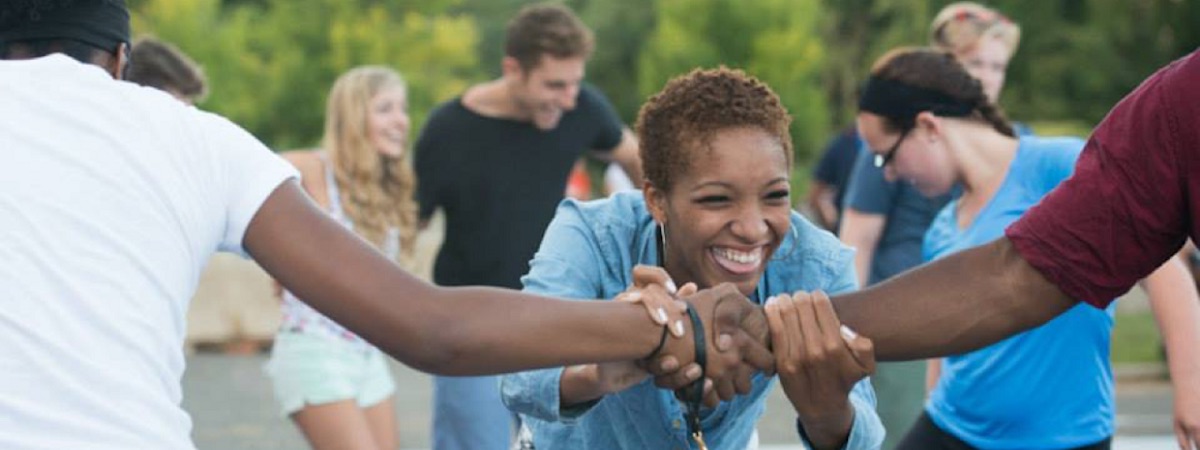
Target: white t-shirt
x=112 y=197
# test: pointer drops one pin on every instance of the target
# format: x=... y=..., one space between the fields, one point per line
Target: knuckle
x=818 y=356
x=831 y=348
x=868 y=345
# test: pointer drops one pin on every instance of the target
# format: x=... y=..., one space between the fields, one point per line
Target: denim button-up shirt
x=588 y=252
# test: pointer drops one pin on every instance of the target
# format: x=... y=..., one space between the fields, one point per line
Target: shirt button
x=676 y=424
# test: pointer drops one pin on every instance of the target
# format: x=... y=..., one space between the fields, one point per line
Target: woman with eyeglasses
x=930 y=123
x=886 y=221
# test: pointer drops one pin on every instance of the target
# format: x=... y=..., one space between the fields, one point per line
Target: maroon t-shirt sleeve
x=1125 y=210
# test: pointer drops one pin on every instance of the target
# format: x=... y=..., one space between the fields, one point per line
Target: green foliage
x=1135 y=338
x=1079 y=57
x=492 y=19
x=621 y=28
x=774 y=40
x=271 y=63
x=858 y=32
x=1077 y=128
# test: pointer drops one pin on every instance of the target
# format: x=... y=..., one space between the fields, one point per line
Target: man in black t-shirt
x=496 y=161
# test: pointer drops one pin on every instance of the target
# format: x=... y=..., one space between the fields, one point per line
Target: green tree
x=1079 y=57
x=856 y=33
x=492 y=18
x=271 y=62
x=774 y=40
x=621 y=28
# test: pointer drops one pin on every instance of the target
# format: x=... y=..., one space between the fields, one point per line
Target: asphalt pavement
x=232 y=408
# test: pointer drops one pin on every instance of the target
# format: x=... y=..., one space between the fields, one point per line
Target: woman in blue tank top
x=928 y=122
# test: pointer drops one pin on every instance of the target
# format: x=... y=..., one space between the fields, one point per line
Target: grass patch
x=1136 y=338
x=1061 y=128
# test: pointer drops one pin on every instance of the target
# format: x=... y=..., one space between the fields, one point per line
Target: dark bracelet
x=661 y=342
x=808 y=442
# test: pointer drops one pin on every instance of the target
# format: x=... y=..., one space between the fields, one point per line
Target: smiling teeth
x=740 y=257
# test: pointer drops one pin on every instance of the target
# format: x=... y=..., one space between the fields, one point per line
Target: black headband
x=101 y=23
x=902 y=101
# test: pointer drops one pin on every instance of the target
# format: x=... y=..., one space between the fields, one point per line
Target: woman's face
x=914 y=158
x=387 y=121
x=726 y=216
x=988 y=62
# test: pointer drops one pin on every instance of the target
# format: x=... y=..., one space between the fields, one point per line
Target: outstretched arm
x=821 y=201
x=862 y=230
x=1172 y=292
x=953 y=305
x=626 y=156
x=456 y=331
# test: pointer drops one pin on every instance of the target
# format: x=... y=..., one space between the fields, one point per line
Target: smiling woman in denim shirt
x=717 y=154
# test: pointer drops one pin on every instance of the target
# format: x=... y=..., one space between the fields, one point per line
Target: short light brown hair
x=161 y=65
x=678 y=120
x=961 y=25
x=546 y=29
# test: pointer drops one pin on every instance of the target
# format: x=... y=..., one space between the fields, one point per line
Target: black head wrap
x=100 y=23
x=902 y=102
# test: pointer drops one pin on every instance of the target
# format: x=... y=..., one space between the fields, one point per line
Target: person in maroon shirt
x=1130 y=205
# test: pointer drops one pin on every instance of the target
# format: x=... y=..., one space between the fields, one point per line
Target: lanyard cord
x=693 y=394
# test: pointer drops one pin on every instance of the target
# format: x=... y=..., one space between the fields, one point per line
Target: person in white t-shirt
x=112 y=197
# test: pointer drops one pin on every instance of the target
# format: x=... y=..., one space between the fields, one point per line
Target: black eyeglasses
x=883 y=159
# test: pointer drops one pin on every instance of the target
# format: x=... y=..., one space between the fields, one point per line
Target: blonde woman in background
x=983 y=41
x=332 y=383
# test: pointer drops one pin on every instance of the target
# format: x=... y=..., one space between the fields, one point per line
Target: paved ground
x=232 y=406
x=231 y=403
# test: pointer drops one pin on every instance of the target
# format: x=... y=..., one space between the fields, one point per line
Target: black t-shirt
x=499 y=182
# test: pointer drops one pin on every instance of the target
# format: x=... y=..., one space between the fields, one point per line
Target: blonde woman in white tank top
x=333 y=384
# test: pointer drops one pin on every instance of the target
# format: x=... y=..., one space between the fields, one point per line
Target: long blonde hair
x=376 y=191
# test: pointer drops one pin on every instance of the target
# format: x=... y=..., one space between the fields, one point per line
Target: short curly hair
x=692 y=107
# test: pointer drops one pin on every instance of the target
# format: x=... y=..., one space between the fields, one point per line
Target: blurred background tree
x=775 y=40
x=271 y=62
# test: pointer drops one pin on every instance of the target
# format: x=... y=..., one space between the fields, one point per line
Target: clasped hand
x=818 y=360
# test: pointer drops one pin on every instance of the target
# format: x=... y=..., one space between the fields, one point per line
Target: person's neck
x=669 y=263
x=494 y=99
x=984 y=159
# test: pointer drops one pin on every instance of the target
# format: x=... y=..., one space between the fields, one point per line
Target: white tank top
x=298 y=317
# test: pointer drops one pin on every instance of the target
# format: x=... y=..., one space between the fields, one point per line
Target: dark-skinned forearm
x=956 y=304
x=832 y=429
x=455 y=331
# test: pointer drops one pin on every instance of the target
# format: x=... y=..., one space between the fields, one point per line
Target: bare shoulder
x=304 y=160
x=312 y=172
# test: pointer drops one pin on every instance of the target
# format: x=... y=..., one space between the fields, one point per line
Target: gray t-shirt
x=908 y=212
